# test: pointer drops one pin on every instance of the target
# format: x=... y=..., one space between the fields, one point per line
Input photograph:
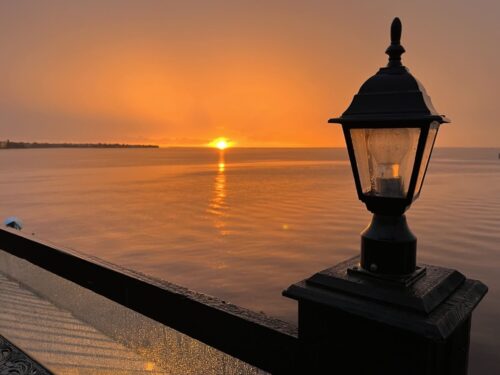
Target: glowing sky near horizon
x=259 y=73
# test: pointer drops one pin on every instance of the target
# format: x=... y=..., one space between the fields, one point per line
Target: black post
x=388 y=247
x=351 y=324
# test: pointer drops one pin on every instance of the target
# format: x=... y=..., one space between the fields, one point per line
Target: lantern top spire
x=395 y=50
x=392 y=95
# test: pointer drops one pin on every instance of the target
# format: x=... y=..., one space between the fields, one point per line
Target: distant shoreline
x=5 y=145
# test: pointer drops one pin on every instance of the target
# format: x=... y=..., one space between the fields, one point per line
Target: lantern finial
x=395 y=50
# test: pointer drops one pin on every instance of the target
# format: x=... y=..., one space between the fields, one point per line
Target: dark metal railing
x=267 y=343
x=14 y=361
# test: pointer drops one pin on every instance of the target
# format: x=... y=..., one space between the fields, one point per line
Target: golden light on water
x=218 y=206
x=221 y=143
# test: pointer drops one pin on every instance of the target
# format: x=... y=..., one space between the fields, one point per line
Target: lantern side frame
x=416 y=194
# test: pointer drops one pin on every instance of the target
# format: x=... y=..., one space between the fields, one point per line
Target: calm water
x=244 y=225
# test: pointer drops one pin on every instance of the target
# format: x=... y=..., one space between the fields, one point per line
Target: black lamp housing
x=390 y=128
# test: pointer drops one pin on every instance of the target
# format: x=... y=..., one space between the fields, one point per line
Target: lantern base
x=430 y=286
x=395 y=280
x=388 y=247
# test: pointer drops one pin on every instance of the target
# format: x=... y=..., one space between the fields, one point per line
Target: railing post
x=349 y=324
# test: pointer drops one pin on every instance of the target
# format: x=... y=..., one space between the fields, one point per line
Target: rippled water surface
x=244 y=225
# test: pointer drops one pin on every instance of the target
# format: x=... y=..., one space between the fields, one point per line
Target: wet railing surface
x=177 y=329
x=60 y=340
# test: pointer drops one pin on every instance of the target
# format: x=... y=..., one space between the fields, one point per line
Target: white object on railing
x=13 y=222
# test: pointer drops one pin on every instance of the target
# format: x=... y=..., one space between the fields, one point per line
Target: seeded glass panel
x=358 y=137
x=429 y=144
x=72 y=330
x=385 y=159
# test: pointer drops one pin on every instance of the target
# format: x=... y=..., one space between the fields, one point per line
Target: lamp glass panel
x=429 y=145
x=385 y=159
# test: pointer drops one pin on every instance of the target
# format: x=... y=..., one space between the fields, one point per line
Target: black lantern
x=397 y=317
x=390 y=128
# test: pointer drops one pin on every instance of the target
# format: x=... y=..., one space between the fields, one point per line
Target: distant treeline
x=11 y=144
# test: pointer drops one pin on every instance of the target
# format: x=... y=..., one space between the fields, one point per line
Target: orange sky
x=262 y=73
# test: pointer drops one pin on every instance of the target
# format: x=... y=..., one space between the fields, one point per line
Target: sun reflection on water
x=218 y=205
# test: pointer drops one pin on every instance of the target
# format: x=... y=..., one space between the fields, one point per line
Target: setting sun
x=221 y=143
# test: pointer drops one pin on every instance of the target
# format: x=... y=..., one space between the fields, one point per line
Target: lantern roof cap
x=391 y=95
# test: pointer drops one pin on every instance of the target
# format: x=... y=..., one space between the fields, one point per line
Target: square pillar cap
x=433 y=306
